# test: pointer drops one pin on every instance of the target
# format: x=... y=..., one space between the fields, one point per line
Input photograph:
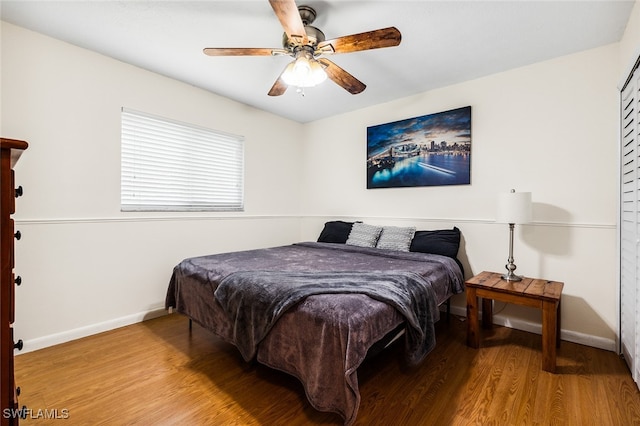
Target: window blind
x=173 y=166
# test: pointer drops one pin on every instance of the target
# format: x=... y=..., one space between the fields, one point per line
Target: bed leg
x=448 y=310
x=190 y=324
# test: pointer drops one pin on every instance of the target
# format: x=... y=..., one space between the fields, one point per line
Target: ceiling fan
x=307 y=45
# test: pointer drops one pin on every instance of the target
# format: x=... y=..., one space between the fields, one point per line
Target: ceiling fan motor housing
x=314 y=35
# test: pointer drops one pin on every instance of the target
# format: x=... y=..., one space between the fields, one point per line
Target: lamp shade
x=514 y=207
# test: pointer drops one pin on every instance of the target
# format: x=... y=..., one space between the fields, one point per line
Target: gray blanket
x=254 y=300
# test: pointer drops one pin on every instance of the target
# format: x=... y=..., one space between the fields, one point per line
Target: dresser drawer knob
x=18 y=235
x=19 y=191
x=18 y=280
x=18 y=345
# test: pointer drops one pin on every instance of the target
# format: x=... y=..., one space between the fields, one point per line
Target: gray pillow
x=363 y=235
x=396 y=238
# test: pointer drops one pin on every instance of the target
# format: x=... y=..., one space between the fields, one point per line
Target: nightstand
x=538 y=293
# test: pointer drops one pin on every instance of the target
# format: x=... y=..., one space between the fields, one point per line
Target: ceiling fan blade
x=384 y=37
x=239 y=51
x=342 y=78
x=287 y=13
x=279 y=87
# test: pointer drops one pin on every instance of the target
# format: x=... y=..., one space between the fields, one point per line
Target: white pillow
x=363 y=235
x=396 y=238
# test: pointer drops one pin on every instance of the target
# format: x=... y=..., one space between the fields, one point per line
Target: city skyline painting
x=430 y=150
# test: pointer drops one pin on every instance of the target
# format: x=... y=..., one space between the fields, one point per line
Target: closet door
x=630 y=225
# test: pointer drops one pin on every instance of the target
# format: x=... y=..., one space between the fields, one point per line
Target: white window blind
x=167 y=165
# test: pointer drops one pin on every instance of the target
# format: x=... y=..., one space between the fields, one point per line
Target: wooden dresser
x=10 y=151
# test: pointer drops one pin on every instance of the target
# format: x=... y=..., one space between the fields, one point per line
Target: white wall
x=549 y=128
x=86 y=266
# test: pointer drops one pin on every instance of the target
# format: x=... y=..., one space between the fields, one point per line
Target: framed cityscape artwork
x=430 y=150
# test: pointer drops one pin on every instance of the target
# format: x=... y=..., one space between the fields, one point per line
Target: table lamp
x=513 y=207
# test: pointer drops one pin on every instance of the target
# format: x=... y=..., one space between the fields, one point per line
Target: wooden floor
x=158 y=373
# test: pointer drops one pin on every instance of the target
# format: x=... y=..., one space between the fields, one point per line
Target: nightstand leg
x=487 y=313
x=473 y=328
x=549 y=323
x=558 y=327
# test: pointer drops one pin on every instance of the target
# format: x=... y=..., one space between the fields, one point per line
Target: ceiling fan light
x=318 y=74
x=304 y=72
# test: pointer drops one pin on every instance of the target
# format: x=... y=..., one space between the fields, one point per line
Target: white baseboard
x=568 y=335
x=78 y=333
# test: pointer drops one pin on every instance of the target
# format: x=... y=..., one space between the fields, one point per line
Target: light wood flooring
x=158 y=373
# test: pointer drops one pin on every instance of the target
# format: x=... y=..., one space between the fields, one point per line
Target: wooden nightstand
x=538 y=293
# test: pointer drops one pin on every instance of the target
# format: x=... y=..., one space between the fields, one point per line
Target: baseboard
x=78 y=333
x=568 y=335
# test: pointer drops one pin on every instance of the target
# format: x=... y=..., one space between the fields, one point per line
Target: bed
x=316 y=309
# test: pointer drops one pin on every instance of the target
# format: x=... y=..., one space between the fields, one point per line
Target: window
x=172 y=166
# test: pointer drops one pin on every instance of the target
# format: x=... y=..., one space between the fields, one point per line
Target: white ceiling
x=443 y=42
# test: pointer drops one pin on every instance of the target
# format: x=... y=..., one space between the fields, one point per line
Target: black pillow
x=442 y=241
x=335 y=231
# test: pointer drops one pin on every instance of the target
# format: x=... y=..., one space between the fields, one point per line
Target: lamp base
x=510 y=276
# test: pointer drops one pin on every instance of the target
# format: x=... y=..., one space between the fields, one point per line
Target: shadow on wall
x=549 y=239
x=462 y=257
x=580 y=317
